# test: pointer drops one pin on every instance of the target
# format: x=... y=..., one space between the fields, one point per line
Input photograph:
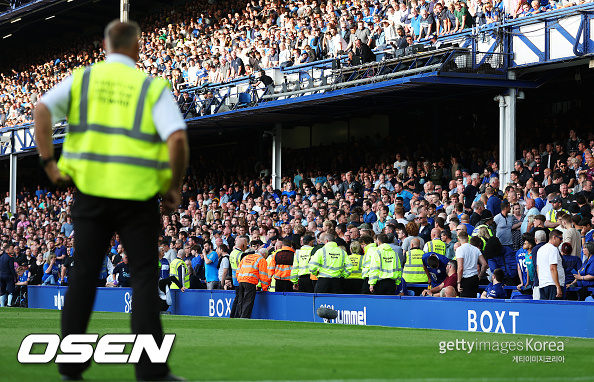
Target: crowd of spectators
x=202 y=42
x=405 y=196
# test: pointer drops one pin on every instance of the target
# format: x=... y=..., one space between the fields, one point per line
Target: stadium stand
x=204 y=51
x=192 y=45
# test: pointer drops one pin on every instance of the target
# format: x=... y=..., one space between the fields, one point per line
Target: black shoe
x=77 y=377
x=166 y=377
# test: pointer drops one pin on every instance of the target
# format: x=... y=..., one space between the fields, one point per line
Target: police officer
x=329 y=263
x=126 y=144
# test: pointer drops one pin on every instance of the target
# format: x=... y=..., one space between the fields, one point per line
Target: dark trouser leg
x=365 y=286
x=352 y=286
x=283 y=286
x=248 y=298
x=234 y=306
x=385 y=287
x=138 y=226
x=327 y=285
x=93 y=229
x=305 y=284
x=548 y=293
x=469 y=287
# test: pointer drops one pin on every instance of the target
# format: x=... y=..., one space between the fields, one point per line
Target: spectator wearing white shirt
x=549 y=267
x=468 y=256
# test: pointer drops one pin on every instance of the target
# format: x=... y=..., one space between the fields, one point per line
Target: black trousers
x=365 y=286
x=283 y=286
x=246 y=295
x=95 y=221
x=305 y=284
x=385 y=287
x=351 y=286
x=470 y=286
x=234 y=309
x=327 y=285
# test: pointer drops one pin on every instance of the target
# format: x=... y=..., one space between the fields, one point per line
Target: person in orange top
x=280 y=267
x=252 y=269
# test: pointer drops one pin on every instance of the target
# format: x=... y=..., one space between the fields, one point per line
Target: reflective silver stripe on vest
x=135 y=133
x=84 y=96
x=118 y=159
x=409 y=265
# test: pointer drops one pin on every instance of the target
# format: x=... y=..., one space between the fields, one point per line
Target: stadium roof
x=37 y=23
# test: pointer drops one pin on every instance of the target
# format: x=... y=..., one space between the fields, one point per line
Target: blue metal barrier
x=472 y=315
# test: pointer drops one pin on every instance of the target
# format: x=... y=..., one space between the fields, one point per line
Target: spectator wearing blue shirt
x=369 y=216
x=493 y=201
x=67 y=226
x=525 y=261
x=495 y=288
x=584 y=277
x=571 y=264
x=51 y=272
x=60 y=251
x=435 y=265
x=404 y=194
x=40 y=192
x=211 y=260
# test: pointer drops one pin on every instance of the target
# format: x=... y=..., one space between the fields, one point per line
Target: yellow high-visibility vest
x=112 y=148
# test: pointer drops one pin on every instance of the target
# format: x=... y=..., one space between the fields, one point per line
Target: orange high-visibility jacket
x=253 y=269
x=281 y=264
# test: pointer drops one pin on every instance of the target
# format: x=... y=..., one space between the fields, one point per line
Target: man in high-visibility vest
x=280 y=267
x=179 y=269
x=413 y=271
x=552 y=221
x=234 y=259
x=385 y=271
x=126 y=144
x=253 y=269
x=435 y=245
x=329 y=263
x=300 y=274
x=368 y=246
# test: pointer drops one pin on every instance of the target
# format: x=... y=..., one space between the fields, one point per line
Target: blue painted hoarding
x=473 y=315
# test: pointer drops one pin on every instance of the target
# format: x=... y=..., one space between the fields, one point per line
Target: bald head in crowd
x=435 y=233
x=241 y=243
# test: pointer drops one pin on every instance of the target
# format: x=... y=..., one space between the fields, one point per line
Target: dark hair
x=529 y=237
x=476 y=241
x=454 y=264
x=499 y=275
x=433 y=261
x=382 y=238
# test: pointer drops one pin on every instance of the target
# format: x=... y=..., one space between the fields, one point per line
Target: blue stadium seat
x=410 y=292
x=515 y=293
x=519 y=296
x=589 y=299
x=244 y=99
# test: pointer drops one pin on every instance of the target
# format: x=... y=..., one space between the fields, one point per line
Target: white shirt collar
x=122 y=59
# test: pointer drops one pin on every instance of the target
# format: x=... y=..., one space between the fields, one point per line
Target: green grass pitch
x=218 y=349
